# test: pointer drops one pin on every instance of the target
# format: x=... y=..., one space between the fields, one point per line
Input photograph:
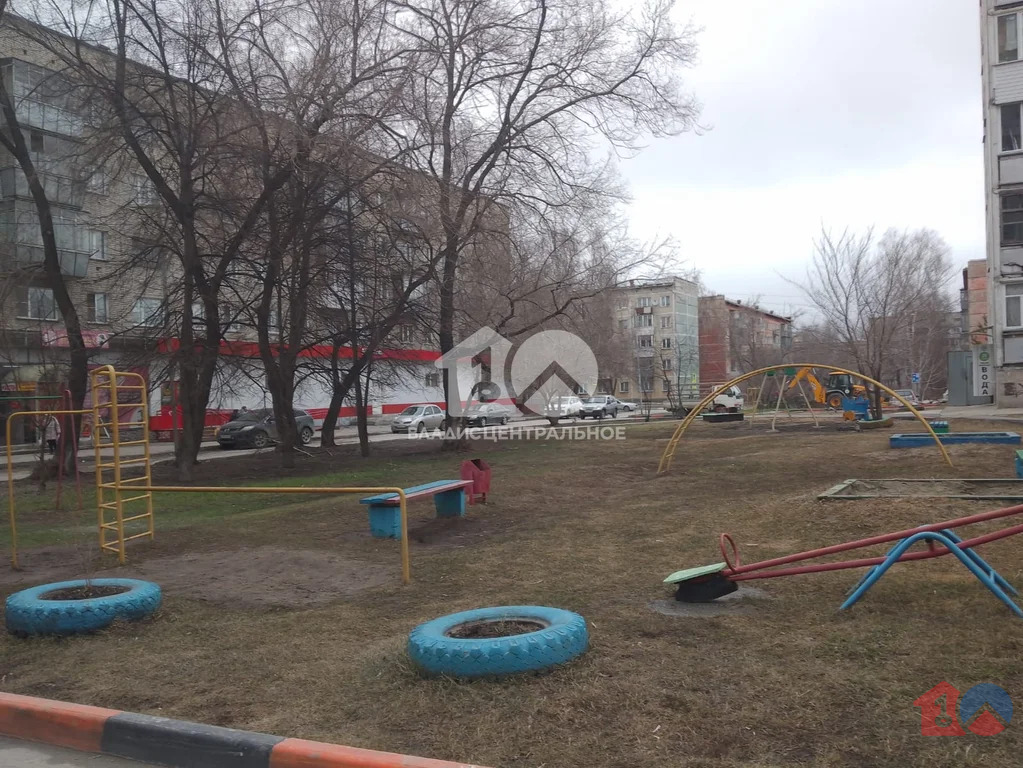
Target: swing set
x=669 y=451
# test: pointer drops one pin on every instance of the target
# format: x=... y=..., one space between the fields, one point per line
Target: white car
x=908 y=395
x=626 y=406
x=729 y=401
x=563 y=407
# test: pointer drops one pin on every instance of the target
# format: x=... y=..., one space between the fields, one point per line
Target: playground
x=283 y=614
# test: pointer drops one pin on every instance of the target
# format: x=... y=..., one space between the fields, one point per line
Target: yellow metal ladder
x=114 y=509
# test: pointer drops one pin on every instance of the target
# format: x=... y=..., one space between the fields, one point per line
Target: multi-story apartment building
x=736 y=338
x=658 y=322
x=126 y=303
x=1002 y=75
x=974 y=323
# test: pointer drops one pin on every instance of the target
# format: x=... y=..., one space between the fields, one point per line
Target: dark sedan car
x=256 y=429
x=486 y=414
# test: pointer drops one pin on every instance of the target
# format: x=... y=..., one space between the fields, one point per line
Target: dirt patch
x=264 y=576
x=741 y=601
x=84 y=592
x=479 y=630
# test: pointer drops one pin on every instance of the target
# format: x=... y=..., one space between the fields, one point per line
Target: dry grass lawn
x=314 y=648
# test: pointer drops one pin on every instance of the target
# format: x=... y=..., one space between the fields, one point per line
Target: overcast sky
x=847 y=113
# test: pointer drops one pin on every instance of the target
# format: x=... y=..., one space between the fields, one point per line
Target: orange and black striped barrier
x=181 y=744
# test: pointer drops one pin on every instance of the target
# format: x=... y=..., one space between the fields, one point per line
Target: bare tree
x=867 y=290
x=13 y=141
x=513 y=98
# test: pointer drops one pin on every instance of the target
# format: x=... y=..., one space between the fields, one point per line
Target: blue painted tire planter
x=562 y=638
x=28 y=613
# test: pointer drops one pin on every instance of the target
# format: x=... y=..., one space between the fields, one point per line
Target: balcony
x=21 y=244
x=21 y=256
x=60 y=190
x=42 y=98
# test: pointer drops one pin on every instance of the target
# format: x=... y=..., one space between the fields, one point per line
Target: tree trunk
x=361 y=417
x=455 y=437
x=876 y=411
x=337 y=398
x=78 y=356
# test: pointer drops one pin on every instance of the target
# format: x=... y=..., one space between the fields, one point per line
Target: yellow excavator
x=838 y=385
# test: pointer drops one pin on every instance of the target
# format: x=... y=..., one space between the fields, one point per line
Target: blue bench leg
x=385 y=521
x=450 y=503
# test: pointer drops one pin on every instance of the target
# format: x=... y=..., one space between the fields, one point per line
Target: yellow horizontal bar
x=129 y=460
x=48 y=413
x=113 y=525
x=113 y=545
x=126 y=442
x=112 y=485
x=113 y=504
x=251 y=489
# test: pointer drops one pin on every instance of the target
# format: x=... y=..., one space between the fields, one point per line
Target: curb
x=181 y=744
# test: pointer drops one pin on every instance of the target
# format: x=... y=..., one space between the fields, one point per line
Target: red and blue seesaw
x=709 y=582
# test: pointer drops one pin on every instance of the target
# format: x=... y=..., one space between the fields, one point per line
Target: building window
x=1008 y=37
x=665 y=343
x=433 y=380
x=36 y=142
x=666 y=363
x=666 y=321
x=1011 y=132
x=665 y=301
x=406 y=332
x=98 y=182
x=97 y=241
x=623 y=387
x=1012 y=219
x=37 y=304
x=645 y=301
x=97 y=307
x=1014 y=305
x=646 y=342
x=147 y=312
x=143 y=189
x=643 y=321
x=623 y=325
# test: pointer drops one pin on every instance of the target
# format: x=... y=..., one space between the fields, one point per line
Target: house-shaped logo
x=548 y=367
x=462 y=363
x=985 y=710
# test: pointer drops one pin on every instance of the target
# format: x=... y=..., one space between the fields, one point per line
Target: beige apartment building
x=657 y=329
x=123 y=286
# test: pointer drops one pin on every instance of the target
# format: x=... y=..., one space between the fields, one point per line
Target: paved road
x=25 y=754
x=162 y=452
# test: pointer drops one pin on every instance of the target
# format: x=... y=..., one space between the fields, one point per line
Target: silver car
x=418 y=418
x=599 y=407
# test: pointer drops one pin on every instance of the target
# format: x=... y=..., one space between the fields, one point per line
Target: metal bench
x=385 y=508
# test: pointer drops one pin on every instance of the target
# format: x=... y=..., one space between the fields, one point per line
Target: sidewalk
x=985 y=412
x=27 y=754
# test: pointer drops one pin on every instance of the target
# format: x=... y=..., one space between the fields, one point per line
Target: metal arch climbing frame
x=669 y=450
